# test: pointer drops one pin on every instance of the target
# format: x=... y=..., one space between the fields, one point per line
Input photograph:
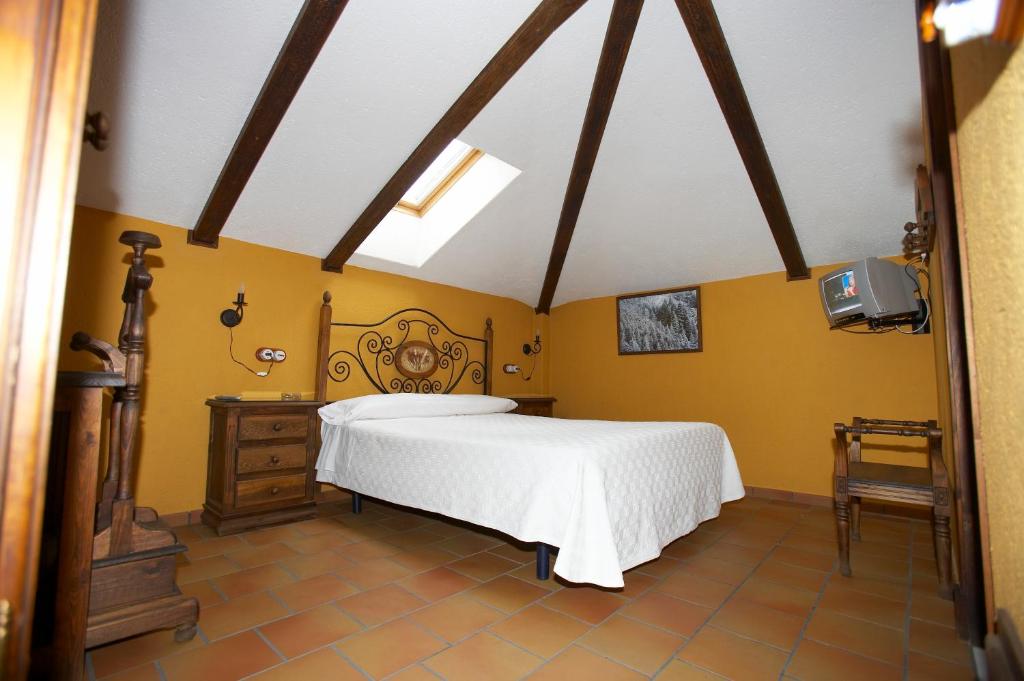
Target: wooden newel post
x=842 y=501
x=489 y=356
x=323 y=348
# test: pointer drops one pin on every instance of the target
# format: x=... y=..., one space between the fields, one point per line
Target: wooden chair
x=856 y=479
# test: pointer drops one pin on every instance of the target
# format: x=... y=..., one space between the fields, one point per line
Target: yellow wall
x=988 y=85
x=771 y=374
x=187 y=348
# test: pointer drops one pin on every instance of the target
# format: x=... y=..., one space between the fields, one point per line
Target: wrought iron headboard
x=374 y=353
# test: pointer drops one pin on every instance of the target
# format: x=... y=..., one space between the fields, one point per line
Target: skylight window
x=440 y=176
x=460 y=182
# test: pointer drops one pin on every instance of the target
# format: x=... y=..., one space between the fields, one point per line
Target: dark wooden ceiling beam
x=544 y=20
x=706 y=33
x=621 y=25
x=308 y=34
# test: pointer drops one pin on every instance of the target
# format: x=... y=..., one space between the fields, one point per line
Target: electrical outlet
x=510 y=368
x=271 y=355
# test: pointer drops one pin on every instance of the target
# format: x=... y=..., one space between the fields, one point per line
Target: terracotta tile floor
x=753 y=594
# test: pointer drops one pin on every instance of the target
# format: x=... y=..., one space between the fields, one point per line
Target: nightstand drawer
x=272 y=427
x=278 y=457
x=267 y=490
x=534 y=409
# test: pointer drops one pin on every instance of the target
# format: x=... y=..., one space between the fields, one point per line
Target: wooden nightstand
x=533 y=405
x=260 y=469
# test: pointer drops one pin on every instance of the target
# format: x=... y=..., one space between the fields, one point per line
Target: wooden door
x=45 y=57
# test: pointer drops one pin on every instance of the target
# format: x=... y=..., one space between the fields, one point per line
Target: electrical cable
x=231 y=351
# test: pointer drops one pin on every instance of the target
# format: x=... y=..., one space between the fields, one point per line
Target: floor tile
x=135 y=651
x=876 y=586
x=271 y=535
x=801 y=542
x=857 y=636
x=456 y=618
x=507 y=594
x=413 y=539
x=380 y=604
x=817 y=662
x=204 y=591
x=775 y=570
x=470 y=543
x=542 y=631
x=405 y=522
x=483 y=566
x=254 y=579
x=863 y=606
x=205 y=568
x=660 y=567
x=515 y=553
x=636 y=583
x=318 y=542
x=224 y=660
x=528 y=573
x=146 y=672
x=752 y=538
x=805 y=559
x=423 y=558
x=586 y=603
x=483 y=656
x=927 y=668
x=733 y=656
x=670 y=613
x=316 y=526
x=218 y=546
x=436 y=584
x=368 y=550
x=677 y=670
x=716 y=570
x=390 y=647
x=414 y=673
x=240 y=614
x=252 y=556
x=635 y=644
x=682 y=550
x=321 y=664
x=577 y=664
x=759 y=622
x=307 y=593
x=315 y=564
x=938 y=641
x=696 y=589
x=893 y=568
x=932 y=608
x=372 y=573
x=309 y=630
x=736 y=554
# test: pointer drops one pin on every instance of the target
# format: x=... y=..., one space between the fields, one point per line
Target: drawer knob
x=275 y=460
x=274 y=490
x=278 y=427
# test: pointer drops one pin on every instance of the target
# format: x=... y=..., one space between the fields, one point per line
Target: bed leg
x=543 y=551
x=357 y=502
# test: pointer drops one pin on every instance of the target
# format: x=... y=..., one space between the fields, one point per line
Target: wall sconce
x=531 y=350
x=232 y=318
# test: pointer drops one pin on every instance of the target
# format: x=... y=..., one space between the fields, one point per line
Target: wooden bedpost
x=323 y=348
x=489 y=357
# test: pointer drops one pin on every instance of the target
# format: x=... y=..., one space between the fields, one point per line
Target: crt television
x=869 y=289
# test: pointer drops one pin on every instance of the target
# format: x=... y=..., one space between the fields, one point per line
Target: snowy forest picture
x=668 y=321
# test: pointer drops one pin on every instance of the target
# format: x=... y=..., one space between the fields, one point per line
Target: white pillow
x=404 y=405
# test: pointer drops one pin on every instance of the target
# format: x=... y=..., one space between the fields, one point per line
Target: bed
x=609 y=495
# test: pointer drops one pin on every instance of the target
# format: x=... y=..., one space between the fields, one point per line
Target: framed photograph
x=661 y=321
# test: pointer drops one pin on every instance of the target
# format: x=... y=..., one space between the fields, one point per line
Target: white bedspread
x=610 y=495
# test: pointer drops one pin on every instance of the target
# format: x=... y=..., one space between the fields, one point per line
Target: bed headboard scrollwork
x=409 y=351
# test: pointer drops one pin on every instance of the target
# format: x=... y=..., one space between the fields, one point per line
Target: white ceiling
x=834 y=88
